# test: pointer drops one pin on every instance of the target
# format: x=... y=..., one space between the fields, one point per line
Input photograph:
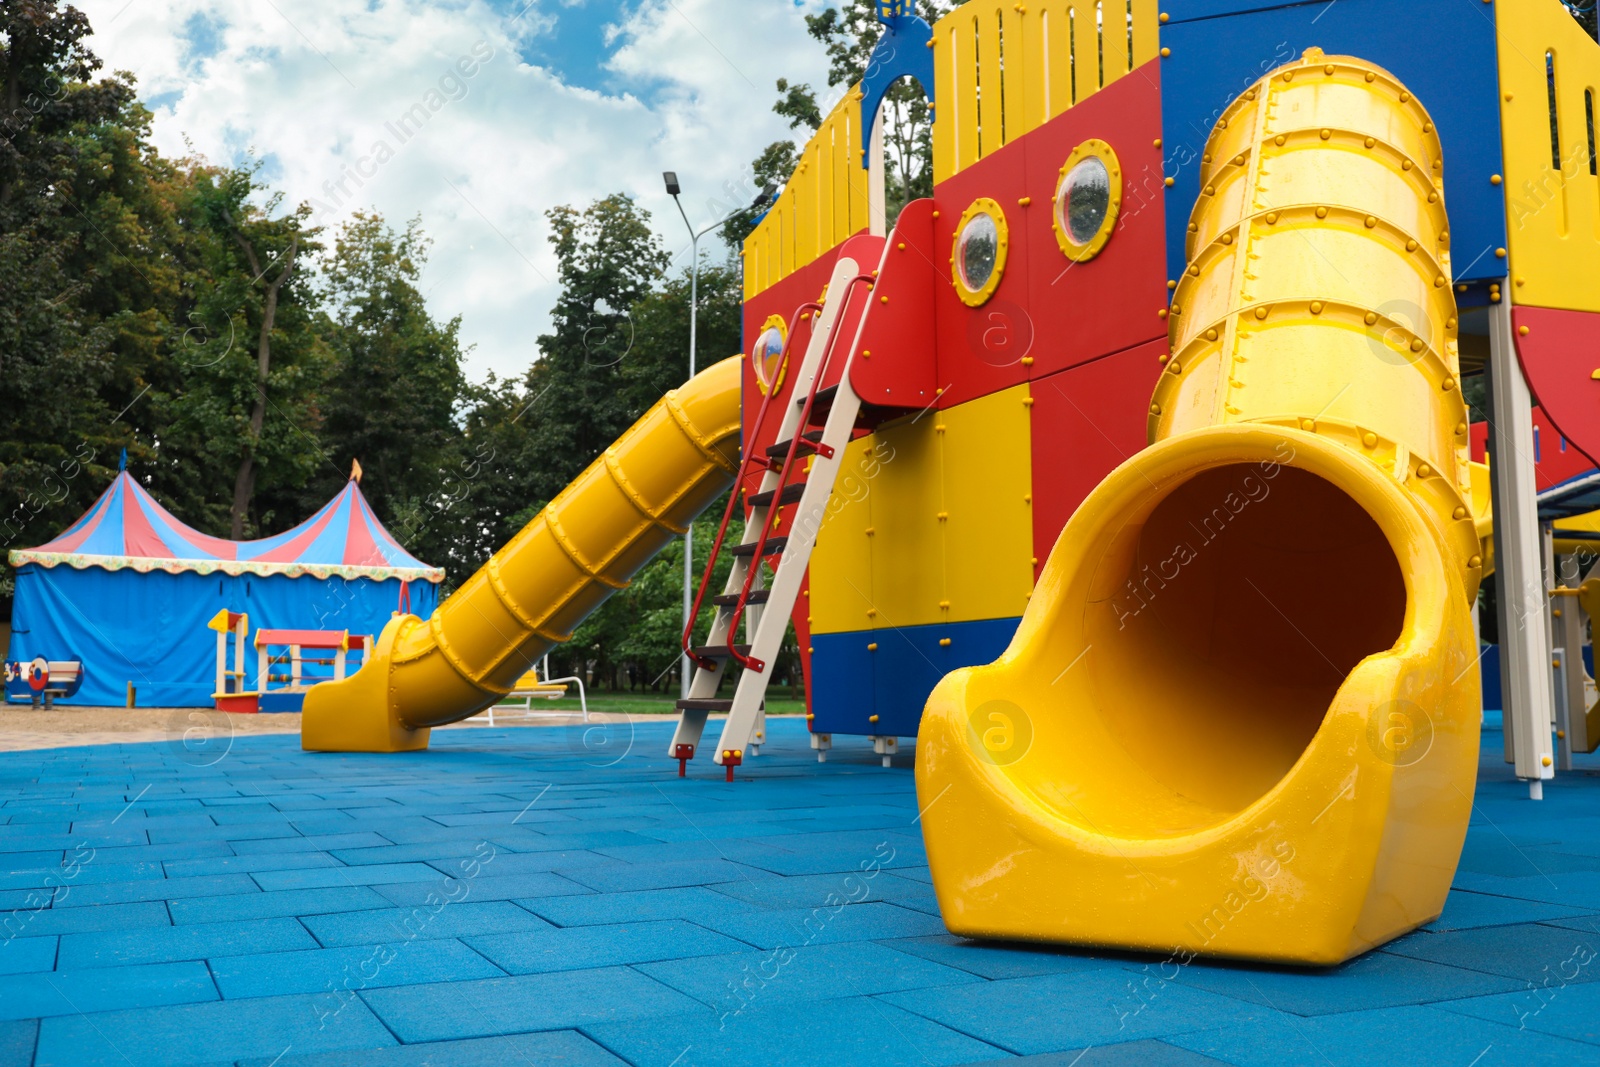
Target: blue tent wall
x=150 y=629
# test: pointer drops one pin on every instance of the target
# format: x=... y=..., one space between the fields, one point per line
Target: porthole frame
x=783 y=364
x=1082 y=253
x=971 y=297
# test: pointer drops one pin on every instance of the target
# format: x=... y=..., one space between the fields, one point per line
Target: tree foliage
x=244 y=357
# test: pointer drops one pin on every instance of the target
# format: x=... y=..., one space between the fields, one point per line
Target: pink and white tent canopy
x=127 y=528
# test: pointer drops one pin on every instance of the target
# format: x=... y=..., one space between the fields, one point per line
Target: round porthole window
x=767 y=354
x=1088 y=197
x=978 y=256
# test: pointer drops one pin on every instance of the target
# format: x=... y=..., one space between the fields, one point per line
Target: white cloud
x=312 y=86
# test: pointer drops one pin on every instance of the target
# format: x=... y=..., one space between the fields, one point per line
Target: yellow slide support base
x=585 y=545
x=1240 y=716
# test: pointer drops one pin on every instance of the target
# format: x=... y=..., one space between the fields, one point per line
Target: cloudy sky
x=576 y=99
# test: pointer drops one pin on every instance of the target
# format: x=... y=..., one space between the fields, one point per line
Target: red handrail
x=751 y=458
x=749 y=662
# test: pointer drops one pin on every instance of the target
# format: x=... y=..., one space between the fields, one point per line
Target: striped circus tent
x=127 y=590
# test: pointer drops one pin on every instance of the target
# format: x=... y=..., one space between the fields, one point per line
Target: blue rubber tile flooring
x=33 y=996
x=509 y=897
x=553 y=1048
x=583 y=947
x=404 y=924
x=349 y=969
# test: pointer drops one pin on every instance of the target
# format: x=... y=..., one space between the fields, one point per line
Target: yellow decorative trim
x=559 y=536
x=706 y=444
x=758 y=363
x=497 y=582
x=1093 y=148
x=976 y=297
x=620 y=476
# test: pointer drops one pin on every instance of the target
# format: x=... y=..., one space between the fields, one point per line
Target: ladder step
x=810 y=439
x=790 y=494
x=773 y=547
x=727 y=600
x=705 y=705
x=822 y=404
x=718 y=651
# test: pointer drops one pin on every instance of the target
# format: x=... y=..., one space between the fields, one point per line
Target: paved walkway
x=557 y=896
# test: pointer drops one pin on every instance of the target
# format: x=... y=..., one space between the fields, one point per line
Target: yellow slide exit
x=585 y=545
x=1240 y=716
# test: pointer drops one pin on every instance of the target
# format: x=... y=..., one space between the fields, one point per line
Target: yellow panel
x=823 y=202
x=841 y=562
x=907 y=557
x=964 y=61
x=946 y=106
x=1552 y=210
x=1145 y=32
x=988 y=536
x=1024 y=54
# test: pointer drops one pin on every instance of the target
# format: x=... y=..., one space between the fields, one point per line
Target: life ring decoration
x=767 y=355
x=978 y=251
x=1088 y=200
x=38 y=674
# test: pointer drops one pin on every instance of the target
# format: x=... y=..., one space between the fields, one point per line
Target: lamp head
x=671 y=178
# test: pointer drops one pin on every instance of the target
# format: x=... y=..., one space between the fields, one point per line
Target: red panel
x=895 y=364
x=783 y=299
x=980 y=349
x=1560 y=354
x=1555 y=458
x=1086 y=420
x=867 y=252
x=303 y=638
x=1082 y=311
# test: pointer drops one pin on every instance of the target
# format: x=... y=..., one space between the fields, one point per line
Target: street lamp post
x=673 y=189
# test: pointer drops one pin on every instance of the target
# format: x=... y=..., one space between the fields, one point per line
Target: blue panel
x=850 y=683
x=909 y=664
x=1443 y=50
x=150 y=629
x=841 y=683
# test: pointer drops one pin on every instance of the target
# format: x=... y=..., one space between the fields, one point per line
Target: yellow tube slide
x=1240 y=716
x=580 y=549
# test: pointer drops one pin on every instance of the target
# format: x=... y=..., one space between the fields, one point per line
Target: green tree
x=81 y=286
x=245 y=407
x=395 y=390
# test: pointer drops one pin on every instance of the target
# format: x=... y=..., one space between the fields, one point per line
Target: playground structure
x=42 y=681
x=1141 y=447
x=231 y=693
x=290 y=666
x=294 y=671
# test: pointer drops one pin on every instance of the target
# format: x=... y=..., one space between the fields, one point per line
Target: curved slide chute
x=585 y=545
x=1240 y=716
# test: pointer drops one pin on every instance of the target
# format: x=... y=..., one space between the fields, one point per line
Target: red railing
x=752 y=458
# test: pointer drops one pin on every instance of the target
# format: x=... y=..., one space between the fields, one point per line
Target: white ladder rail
x=751 y=692
x=746 y=716
x=706 y=681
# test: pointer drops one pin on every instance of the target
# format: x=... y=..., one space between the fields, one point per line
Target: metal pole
x=688 y=535
x=685 y=670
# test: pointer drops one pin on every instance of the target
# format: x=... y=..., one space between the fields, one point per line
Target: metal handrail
x=750 y=662
x=752 y=457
